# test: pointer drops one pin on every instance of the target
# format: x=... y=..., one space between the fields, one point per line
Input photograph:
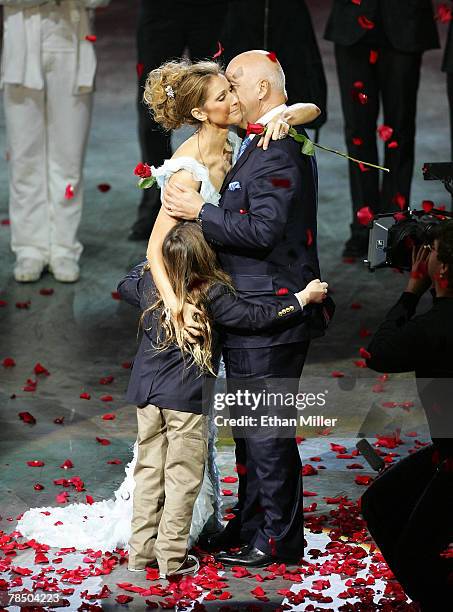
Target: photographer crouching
x=409 y=507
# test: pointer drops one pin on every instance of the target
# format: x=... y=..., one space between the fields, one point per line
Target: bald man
x=264 y=232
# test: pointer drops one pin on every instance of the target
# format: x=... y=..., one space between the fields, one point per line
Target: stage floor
x=81 y=334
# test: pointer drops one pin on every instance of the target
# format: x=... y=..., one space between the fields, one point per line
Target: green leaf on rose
x=308 y=148
x=146 y=183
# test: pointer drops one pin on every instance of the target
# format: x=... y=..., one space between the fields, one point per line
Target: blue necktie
x=245 y=143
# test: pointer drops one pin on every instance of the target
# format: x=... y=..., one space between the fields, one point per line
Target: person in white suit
x=47 y=71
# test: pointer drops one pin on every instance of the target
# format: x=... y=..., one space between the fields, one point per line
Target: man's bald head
x=259 y=82
x=261 y=65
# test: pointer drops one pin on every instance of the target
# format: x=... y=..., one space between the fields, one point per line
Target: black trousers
x=269 y=510
x=450 y=106
x=392 y=80
x=165 y=31
x=409 y=510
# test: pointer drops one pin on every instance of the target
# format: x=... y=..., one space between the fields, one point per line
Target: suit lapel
x=238 y=165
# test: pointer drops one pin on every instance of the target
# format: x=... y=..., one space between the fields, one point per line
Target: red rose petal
x=106 y=380
x=62 y=497
x=337 y=374
x=362 y=98
x=8 y=362
x=67 y=464
x=124 y=599
x=69 y=192
x=281 y=182
x=365 y=215
x=365 y=23
x=104 y=187
x=427 y=206
x=444 y=13
x=364 y=353
x=272 y=56
x=59 y=420
x=114 y=461
x=35 y=463
x=219 y=51
x=46 y=291
x=103 y=441
x=23 y=305
x=374 y=56
x=139 y=68
x=358 y=142
x=89 y=499
x=282 y=291
x=227 y=492
x=108 y=417
x=26 y=417
x=106 y=398
x=363 y=480
x=38 y=487
x=91 y=38
x=364 y=168
x=309 y=235
x=5 y=222
x=116 y=295
x=40 y=369
x=393 y=144
x=309 y=470
x=127 y=365
x=385 y=132
x=399 y=200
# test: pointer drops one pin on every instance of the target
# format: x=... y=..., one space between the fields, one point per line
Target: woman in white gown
x=178 y=93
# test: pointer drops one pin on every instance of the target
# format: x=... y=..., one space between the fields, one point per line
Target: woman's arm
x=301 y=113
x=162 y=226
x=296 y=114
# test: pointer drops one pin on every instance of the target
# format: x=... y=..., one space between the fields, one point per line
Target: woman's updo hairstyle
x=175 y=88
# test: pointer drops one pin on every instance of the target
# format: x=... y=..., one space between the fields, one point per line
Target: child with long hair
x=167 y=383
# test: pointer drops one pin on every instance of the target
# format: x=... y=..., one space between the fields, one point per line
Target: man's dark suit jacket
x=265 y=231
x=422 y=344
x=161 y=377
x=408 y=24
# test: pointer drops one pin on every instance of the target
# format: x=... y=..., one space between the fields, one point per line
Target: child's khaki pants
x=172 y=451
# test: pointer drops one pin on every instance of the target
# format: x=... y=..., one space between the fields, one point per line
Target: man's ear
x=198 y=114
x=263 y=88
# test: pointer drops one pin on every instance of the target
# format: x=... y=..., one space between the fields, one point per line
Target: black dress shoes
x=220 y=541
x=248 y=556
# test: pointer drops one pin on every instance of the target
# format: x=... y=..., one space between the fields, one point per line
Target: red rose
x=142 y=170
x=254 y=128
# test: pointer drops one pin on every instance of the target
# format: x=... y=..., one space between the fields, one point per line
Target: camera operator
x=409 y=507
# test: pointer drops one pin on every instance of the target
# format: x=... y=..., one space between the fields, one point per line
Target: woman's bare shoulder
x=187 y=149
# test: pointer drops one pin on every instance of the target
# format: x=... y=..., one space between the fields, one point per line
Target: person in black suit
x=286 y=28
x=378 y=50
x=165 y=30
x=168 y=383
x=265 y=234
x=447 y=66
x=408 y=508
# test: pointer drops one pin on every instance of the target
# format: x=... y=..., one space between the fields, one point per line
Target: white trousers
x=47 y=133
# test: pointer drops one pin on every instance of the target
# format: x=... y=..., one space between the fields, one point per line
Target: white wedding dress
x=106 y=524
